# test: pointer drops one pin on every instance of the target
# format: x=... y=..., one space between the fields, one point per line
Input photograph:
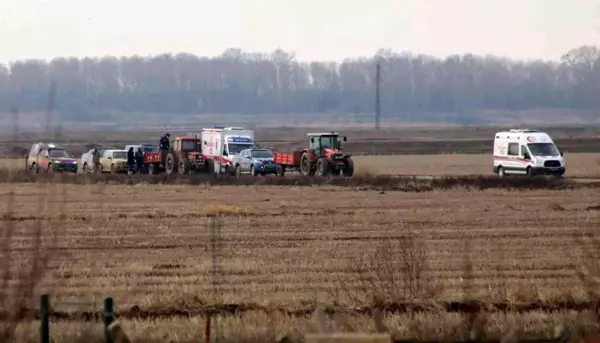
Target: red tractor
x=324 y=156
x=183 y=157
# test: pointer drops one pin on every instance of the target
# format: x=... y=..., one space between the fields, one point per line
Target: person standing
x=139 y=160
x=130 y=160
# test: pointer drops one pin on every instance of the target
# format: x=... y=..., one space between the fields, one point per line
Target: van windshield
x=543 y=149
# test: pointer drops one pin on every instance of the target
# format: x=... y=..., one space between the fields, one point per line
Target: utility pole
x=377 y=97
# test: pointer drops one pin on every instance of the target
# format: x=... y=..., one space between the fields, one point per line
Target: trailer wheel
x=280 y=170
x=306 y=166
x=322 y=167
x=348 y=170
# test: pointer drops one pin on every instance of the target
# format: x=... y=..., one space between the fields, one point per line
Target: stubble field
x=266 y=256
x=291 y=248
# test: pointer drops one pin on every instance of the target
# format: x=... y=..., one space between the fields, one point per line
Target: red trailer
x=324 y=156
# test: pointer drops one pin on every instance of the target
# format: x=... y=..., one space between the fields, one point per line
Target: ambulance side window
x=524 y=150
x=513 y=149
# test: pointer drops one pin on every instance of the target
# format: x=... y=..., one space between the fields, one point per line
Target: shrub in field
x=394 y=272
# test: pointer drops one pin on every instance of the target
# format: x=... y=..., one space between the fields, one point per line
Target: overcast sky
x=313 y=29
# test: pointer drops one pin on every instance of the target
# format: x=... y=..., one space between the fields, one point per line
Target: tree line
x=250 y=83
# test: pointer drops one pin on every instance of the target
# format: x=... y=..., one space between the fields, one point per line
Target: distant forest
x=255 y=83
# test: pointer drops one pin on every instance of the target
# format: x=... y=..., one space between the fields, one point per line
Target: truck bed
x=288 y=158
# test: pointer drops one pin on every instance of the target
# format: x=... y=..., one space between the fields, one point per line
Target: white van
x=526 y=152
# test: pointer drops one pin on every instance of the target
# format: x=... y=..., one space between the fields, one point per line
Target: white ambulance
x=526 y=152
x=220 y=144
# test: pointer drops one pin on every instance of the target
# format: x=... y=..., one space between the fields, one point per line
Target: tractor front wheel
x=170 y=164
x=348 y=170
x=305 y=165
x=322 y=167
x=183 y=167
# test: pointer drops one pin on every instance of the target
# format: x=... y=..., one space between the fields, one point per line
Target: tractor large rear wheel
x=322 y=167
x=170 y=163
x=305 y=165
x=348 y=170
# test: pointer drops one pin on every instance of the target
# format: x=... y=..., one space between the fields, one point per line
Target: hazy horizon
x=332 y=30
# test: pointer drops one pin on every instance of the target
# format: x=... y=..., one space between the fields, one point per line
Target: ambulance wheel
x=529 y=172
x=501 y=172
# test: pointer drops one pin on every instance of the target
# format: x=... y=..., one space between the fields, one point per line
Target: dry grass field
x=579 y=165
x=291 y=248
x=275 y=251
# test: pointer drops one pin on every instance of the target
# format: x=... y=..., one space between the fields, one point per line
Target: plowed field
x=165 y=247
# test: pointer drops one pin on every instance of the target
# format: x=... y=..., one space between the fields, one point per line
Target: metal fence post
x=45 y=318
x=109 y=317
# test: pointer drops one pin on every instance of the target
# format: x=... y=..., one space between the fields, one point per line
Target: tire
x=112 y=169
x=84 y=168
x=49 y=168
x=183 y=167
x=501 y=172
x=34 y=168
x=151 y=169
x=348 y=170
x=252 y=170
x=238 y=171
x=529 y=172
x=322 y=167
x=280 y=170
x=170 y=163
x=209 y=166
x=305 y=165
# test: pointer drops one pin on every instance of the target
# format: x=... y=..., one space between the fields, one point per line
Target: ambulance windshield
x=543 y=149
x=235 y=148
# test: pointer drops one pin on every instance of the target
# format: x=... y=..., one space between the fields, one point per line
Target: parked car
x=87 y=158
x=50 y=158
x=114 y=161
x=254 y=161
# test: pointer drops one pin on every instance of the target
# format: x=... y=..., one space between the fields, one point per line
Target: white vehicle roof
x=322 y=134
x=525 y=135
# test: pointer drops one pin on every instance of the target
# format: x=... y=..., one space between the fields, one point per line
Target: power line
x=377 y=97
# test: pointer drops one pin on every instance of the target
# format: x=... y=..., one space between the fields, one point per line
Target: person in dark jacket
x=164 y=142
x=139 y=160
x=130 y=160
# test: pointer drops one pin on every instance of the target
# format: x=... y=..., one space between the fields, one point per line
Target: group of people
x=135 y=160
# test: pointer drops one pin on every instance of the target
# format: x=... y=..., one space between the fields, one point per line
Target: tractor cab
x=187 y=147
x=186 y=144
x=325 y=144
